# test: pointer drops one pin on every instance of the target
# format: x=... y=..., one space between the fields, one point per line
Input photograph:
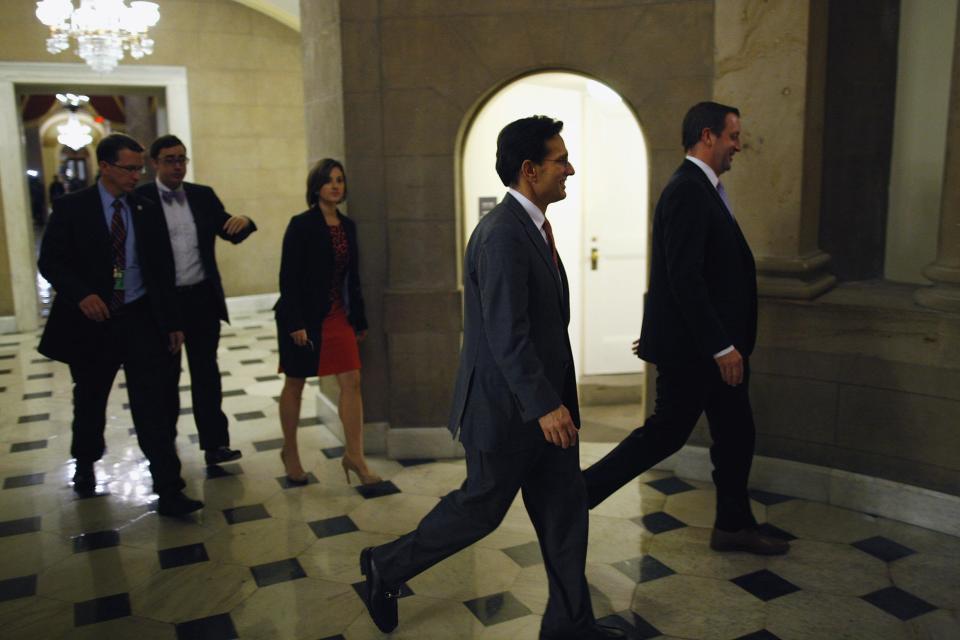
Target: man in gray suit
x=515 y=402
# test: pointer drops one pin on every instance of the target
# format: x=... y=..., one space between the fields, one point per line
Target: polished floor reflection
x=264 y=560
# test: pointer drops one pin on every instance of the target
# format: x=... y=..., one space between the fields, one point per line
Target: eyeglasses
x=172 y=161
x=561 y=161
x=129 y=168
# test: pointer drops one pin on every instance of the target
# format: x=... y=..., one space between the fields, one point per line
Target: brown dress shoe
x=749 y=540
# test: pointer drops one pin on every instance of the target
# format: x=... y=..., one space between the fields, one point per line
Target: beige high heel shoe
x=365 y=479
x=301 y=480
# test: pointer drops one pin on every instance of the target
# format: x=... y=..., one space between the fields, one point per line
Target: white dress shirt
x=183 y=239
x=538 y=217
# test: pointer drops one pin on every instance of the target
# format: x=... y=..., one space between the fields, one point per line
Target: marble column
x=945 y=270
x=770 y=61
x=141 y=125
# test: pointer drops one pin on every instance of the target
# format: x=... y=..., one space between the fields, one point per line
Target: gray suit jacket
x=516 y=364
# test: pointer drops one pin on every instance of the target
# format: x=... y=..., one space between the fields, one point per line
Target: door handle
x=594 y=258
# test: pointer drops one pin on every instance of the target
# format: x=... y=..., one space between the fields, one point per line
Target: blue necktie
x=723 y=196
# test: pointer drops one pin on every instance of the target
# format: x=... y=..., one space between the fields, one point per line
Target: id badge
x=118 y=279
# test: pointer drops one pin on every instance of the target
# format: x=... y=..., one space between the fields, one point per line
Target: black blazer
x=307 y=264
x=209 y=215
x=76 y=257
x=516 y=364
x=703 y=280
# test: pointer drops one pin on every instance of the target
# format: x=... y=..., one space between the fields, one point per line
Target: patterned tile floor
x=264 y=560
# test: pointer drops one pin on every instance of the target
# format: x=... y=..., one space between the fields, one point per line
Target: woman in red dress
x=320 y=316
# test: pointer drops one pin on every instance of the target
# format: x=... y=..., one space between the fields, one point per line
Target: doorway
x=601 y=227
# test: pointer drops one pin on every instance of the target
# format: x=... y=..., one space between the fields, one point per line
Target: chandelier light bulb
x=74 y=134
x=103 y=29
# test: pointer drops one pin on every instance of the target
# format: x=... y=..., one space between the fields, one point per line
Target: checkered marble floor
x=264 y=560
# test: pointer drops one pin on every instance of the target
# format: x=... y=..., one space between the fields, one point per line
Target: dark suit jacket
x=307 y=264
x=516 y=364
x=76 y=257
x=209 y=216
x=703 y=280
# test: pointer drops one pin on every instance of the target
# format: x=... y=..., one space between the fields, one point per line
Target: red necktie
x=118 y=237
x=553 y=245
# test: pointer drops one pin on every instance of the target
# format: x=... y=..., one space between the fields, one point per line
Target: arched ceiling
x=285 y=11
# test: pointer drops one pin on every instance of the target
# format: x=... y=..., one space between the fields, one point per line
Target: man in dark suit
x=699 y=328
x=194 y=217
x=515 y=401
x=110 y=263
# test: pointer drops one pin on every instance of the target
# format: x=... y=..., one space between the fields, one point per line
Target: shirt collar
x=107 y=198
x=711 y=176
x=162 y=187
x=532 y=210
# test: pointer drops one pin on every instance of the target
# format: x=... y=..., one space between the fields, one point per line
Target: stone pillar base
x=802 y=278
x=943 y=297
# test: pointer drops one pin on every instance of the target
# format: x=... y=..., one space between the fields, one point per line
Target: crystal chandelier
x=103 y=29
x=73 y=134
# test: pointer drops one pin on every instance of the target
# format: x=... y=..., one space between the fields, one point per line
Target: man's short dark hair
x=524 y=139
x=108 y=149
x=165 y=142
x=319 y=176
x=704 y=115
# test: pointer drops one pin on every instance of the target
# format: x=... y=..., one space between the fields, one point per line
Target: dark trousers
x=201 y=330
x=683 y=393
x=135 y=342
x=553 y=493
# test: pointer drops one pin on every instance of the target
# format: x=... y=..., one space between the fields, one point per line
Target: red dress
x=338 y=341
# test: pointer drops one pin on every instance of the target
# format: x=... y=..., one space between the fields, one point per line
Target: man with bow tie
x=194 y=216
x=104 y=252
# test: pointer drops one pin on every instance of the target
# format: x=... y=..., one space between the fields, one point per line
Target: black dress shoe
x=381 y=603
x=221 y=455
x=596 y=632
x=749 y=540
x=177 y=504
x=84 y=479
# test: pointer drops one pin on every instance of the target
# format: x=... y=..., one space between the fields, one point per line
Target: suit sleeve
x=502 y=271
x=291 y=262
x=58 y=260
x=221 y=216
x=686 y=228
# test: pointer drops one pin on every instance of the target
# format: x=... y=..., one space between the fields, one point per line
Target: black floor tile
x=884 y=548
x=406 y=462
x=267 y=378
x=525 y=555
x=768 y=529
x=285 y=482
x=261 y=338
x=223 y=471
x=228 y=335
x=336 y=637
x=194 y=438
x=238 y=347
x=183 y=387
x=19 y=526
x=765 y=584
x=185 y=411
x=4 y=372
x=309 y=422
x=224 y=374
x=39 y=376
x=19 y=587
x=249 y=415
x=332 y=526
x=378 y=490
x=277 y=572
x=37 y=394
x=497 y=608
x=252 y=361
x=268 y=445
x=132 y=431
x=96 y=540
x=37 y=417
x=899 y=603
x=762 y=634
x=659 y=522
x=247 y=513
x=769 y=498
x=233 y=392
x=218 y=627
x=40 y=360
x=643 y=569
x=180 y=556
x=101 y=609
x=333 y=452
x=670 y=486
x=28 y=480
x=8 y=356
x=28 y=446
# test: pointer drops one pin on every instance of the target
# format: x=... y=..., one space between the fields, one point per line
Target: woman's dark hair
x=319 y=176
x=704 y=115
x=524 y=139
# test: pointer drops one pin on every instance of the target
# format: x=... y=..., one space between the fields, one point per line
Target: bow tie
x=170 y=196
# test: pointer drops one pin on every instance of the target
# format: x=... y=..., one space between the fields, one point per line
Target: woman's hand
x=361 y=335
x=299 y=337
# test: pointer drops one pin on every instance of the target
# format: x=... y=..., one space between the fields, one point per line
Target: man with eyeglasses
x=193 y=217
x=106 y=255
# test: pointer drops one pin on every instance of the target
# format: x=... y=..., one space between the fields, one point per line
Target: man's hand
x=299 y=337
x=236 y=224
x=176 y=341
x=731 y=367
x=94 y=308
x=558 y=428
